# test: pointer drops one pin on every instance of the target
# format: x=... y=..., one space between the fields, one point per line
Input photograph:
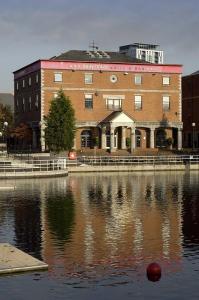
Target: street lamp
x=3 y=133
x=193 y=134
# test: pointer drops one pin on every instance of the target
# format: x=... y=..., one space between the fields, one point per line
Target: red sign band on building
x=117 y=67
x=94 y=66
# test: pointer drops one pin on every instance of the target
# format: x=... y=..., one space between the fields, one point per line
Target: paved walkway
x=13 y=260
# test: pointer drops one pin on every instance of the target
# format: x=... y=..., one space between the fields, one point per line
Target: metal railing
x=33 y=165
x=137 y=160
x=63 y=163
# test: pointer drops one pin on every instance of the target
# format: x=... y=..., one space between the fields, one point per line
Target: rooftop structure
x=146 y=52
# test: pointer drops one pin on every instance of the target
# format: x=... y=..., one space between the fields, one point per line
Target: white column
x=42 y=137
x=123 y=138
x=112 y=130
x=152 y=138
x=179 y=138
x=132 y=139
x=103 y=138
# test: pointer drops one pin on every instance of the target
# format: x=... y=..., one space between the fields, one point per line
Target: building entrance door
x=138 y=138
x=86 y=139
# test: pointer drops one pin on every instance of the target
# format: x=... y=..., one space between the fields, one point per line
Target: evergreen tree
x=60 y=124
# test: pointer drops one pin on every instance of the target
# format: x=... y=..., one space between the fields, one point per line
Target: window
x=88 y=101
x=166 y=103
x=156 y=57
x=113 y=78
x=143 y=55
x=29 y=103
x=88 y=78
x=150 y=58
x=17 y=104
x=138 y=102
x=37 y=102
x=113 y=104
x=17 y=85
x=165 y=80
x=29 y=81
x=138 y=79
x=23 y=104
x=23 y=83
x=58 y=77
x=37 y=78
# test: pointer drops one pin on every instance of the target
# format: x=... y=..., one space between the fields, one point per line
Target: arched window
x=86 y=139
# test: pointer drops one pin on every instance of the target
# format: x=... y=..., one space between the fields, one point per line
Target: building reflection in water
x=27 y=225
x=191 y=211
x=87 y=221
x=60 y=215
x=127 y=218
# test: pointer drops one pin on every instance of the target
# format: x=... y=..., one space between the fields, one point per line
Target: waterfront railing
x=33 y=165
x=63 y=163
x=136 y=160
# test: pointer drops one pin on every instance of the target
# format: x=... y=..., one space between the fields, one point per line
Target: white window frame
x=138 y=79
x=166 y=103
x=23 y=83
x=166 y=80
x=113 y=103
x=88 y=97
x=58 y=76
x=17 y=85
x=88 y=78
x=138 y=102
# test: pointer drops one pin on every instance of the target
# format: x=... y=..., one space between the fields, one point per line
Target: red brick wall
x=151 y=90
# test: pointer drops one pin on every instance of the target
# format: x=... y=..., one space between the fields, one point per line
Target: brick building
x=121 y=101
x=190 y=110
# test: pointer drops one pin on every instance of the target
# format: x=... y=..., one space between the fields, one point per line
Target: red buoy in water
x=154 y=272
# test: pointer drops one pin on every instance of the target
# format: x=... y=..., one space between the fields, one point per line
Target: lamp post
x=3 y=133
x=193 y=134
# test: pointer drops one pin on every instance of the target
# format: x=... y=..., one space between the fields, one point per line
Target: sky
x=40 y=29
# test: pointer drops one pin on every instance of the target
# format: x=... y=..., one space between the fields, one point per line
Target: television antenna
x=93 y=46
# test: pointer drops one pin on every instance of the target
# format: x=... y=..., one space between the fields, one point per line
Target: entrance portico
x=120 y=131
x=117 y=126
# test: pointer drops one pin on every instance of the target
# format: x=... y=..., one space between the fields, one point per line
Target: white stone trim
x=114 y=97
x=113 y=90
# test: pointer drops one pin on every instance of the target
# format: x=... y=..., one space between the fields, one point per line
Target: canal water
x=99 y=232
